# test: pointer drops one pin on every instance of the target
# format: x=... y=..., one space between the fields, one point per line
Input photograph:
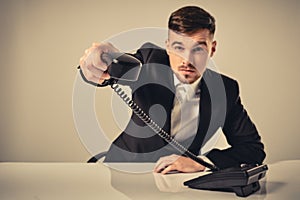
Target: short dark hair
x=189 y=19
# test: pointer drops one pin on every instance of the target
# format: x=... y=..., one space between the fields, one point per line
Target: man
x=208 y=100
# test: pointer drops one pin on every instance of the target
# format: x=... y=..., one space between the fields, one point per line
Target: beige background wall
x=42 y=41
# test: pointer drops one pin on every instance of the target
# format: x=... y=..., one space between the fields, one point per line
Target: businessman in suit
x=186 y=99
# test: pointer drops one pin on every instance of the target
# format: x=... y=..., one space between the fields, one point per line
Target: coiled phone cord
x=163 y=134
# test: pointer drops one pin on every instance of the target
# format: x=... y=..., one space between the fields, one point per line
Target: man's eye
x=198 y=49
x=178 y=48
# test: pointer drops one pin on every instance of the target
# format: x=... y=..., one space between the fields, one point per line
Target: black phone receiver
x=122 y=66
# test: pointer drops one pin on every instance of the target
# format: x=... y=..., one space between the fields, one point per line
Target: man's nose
x=187 y=59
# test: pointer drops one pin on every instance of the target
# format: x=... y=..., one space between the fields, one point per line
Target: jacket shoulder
x=228 y=81
x=149 y=45
x=151 y=53
x=222 y=82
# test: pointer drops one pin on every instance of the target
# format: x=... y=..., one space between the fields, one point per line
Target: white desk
x=43 y=181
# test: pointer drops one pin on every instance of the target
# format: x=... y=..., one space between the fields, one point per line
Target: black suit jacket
x=220 y=106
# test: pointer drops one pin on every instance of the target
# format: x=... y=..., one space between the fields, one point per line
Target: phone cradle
x=243 y=181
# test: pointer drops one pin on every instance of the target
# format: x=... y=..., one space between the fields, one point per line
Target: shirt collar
x=191 y=89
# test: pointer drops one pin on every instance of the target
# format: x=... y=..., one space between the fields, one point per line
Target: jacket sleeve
x=143 y=54
x=241 y=134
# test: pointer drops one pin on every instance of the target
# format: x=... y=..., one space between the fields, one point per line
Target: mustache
x=187 y=67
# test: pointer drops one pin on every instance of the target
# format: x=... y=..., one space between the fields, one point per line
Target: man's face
x=189 y=54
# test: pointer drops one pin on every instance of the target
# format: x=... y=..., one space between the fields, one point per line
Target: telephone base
x=241 y=191
x=242 y=181
x=246 y=190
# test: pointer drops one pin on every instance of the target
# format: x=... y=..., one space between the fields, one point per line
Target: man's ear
x=213 y=48
x=167 y=46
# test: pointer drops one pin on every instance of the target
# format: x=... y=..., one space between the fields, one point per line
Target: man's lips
x=186 y=69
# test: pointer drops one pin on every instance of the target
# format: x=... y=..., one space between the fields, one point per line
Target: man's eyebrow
x=197 y=43
x=201 y=43
x=176 y=42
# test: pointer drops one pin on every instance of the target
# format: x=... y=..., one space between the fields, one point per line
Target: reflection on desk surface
x=39 y=181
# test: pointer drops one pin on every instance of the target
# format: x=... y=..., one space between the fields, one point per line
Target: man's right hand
x=92 y=66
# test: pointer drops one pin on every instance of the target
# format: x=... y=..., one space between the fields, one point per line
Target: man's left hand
x=177 y=163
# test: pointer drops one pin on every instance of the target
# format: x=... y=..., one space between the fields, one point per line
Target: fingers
x=169 y=169
x=95 y=75
x=91 y=64
x=92 y=57
x=164 y=162
x=179 y=163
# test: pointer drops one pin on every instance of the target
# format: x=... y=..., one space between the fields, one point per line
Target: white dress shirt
x=185 y=112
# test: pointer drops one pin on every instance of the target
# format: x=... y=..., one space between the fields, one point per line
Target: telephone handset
x=241 y=180
x=122 y=66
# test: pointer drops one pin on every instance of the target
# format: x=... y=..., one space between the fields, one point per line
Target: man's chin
x=181 y=77
x=185 y=78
